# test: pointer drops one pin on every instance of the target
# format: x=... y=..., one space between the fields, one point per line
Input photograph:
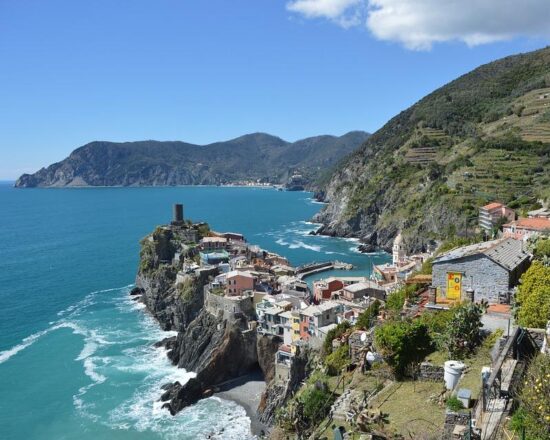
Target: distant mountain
x=250 y=157
x=483 y=137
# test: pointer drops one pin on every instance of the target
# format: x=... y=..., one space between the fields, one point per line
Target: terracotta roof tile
x=493 y=205
x=535 y=224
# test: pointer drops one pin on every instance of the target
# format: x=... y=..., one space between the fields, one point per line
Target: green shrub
x=366 y=318
x=337 y=360
x=316 y=401
x=533 y=297
x=334 y=333
x=437 y=323
x=402 y=343
x=533 y=415
x=542 y=248
x=454 y=404
x=395 y=300
x=462 y=334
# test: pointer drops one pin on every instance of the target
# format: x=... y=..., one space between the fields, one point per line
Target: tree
x=462 y=333
x=533 y=297
x=334 y=333
x=316 y=401
x=366 y=318
x=542 y=249
x=402 y=343
x=534 y=412
x=337 y=360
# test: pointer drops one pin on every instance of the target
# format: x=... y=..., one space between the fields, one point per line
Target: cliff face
x=216 y=347
x=480 y=138
x=277 y=393
x=218 y=350
x=250 y=157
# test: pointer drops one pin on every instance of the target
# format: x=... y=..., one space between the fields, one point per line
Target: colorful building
x=213 y=243
x=490 y=214
x=237 y=282
x=323 y=289
x=314 y=317
x=525 y=228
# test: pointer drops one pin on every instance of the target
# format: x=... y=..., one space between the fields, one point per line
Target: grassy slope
x=484 y=136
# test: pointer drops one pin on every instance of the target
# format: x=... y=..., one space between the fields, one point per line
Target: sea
x=77 y=359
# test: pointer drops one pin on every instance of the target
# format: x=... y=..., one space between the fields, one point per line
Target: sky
x=75 y=71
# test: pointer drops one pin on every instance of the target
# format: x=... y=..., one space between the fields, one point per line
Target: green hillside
x=483 y=137
x=253 y=157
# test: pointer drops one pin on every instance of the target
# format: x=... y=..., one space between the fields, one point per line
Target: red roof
x=491 y=206
x=533 y=224
x=285 y=348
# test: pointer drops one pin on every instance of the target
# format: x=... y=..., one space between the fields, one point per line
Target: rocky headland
x=221 y=346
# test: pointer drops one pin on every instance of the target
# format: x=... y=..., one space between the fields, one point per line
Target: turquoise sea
x=76 y=355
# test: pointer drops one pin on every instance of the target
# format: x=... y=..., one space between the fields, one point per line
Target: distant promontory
x=257 y=157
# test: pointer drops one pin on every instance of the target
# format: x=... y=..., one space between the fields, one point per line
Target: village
x=277 y=301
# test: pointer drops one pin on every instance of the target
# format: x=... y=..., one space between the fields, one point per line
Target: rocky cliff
x=483 y=137
x=251 y=157
x=278 y=393
x=214 y=346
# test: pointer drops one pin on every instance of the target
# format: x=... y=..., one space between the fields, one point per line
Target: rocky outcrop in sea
x=218 y=347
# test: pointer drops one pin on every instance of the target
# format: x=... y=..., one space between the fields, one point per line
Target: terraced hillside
x=482 y=137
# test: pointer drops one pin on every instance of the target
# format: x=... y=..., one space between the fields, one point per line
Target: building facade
x=490 y=214
x=525 y=228
x=238 y=282
x=491 y=269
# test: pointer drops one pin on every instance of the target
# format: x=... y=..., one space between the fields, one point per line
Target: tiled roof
x=533 y=224
x=242 y=273
x=494 y=205
x=357 y=287
x=508 y=253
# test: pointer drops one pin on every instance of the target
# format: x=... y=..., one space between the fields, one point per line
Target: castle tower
x=178 y=214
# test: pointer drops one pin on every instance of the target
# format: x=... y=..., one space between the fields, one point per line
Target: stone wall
x=489 y=279
x=229 y=306
x=451 y=420
x=430 y=372
x=282 y=372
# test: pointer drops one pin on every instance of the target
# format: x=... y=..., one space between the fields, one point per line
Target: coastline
x=246 y=391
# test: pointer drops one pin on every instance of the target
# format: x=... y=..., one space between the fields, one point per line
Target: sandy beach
x=246 y=391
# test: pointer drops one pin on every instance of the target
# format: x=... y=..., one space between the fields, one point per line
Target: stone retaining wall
x=451 y=420
x=430 y=372
x=229 y=306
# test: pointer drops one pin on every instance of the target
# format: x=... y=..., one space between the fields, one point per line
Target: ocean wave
x=335 y=253
x=29 y=340
x=90 y=368
x=301 y=244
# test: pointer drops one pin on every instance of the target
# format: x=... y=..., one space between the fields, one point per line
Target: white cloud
x=417 y=24
x=344 y=12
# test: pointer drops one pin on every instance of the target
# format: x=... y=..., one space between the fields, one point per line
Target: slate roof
x=508 y=253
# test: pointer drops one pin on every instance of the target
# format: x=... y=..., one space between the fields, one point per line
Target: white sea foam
x=29 y=340
x=90 y=370
x=111 y=349
x=301 y=244
x=305 y=222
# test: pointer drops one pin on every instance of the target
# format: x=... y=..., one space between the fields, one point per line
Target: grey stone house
x=491 y=269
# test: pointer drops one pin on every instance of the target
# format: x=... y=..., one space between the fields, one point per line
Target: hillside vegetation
x=251 y=157
x=483 y=137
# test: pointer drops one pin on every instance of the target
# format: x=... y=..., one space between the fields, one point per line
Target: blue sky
x=74 y=71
